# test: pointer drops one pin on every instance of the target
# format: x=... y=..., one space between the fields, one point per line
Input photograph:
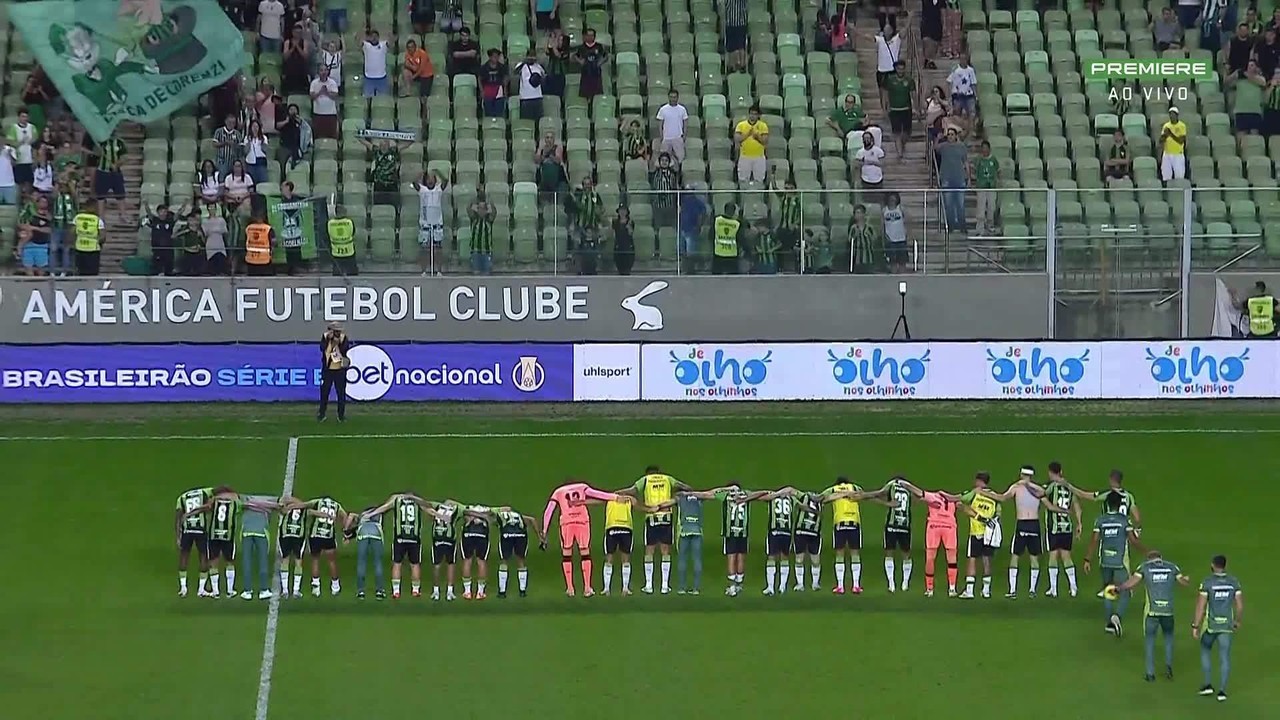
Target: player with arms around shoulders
x=327 y=515
x=365 y=527
x=844 y=497
x=190 y=532
x=1128 y=506
x=291 y=536
x=940 y=533
x=1026 y=495
x=689 y=516
x=654 y=489
x=735 y=527
x=444 y=543
x=618 y=540
x=778 y=543
x=897 y=532
x=224 y=508
x=1159 y=576
x=1112 y=536
x=1064 y=525
x=984 y=532
x=1218 y=612
x=476 y=520
x=407 y=511
x=513 y=543
x=575 y=528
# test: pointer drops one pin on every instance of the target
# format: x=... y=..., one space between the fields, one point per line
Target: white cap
x=1028 y=471
x=1173 y=109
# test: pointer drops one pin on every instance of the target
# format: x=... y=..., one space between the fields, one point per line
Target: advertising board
x=679 y=372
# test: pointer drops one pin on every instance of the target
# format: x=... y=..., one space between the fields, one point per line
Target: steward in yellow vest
x=1262 y=312
x=727 y=233
x=342 y=243
x=90 y=235
x=257 y=247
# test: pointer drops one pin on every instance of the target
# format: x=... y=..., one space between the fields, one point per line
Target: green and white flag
x=139 y=60
x=297 y=223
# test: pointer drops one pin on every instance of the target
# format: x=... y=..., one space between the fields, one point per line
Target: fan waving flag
x=139 y=60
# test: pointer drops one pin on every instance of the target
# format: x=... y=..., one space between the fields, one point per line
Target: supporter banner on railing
x=136 y=60
x=1014 y=371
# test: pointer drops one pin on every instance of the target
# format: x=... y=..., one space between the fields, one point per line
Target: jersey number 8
x=221 y=513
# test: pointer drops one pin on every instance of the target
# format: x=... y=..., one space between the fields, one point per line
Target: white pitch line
x=273 y=606
x=664 y=434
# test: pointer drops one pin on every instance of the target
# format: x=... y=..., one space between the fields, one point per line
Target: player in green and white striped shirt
x=1128 y=506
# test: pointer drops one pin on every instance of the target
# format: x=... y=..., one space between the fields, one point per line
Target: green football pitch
x=94 y=628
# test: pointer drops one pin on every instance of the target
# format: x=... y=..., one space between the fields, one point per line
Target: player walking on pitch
x=1064 y=524
x=1112 y=535
x=1218 y=612
x=513 y=543
x=189 y=532
x=575 y=528
x=1159 y=576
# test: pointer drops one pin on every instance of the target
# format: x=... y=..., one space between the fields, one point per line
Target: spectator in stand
x=692 y=213
x=1239 y=50
x=1267 y=52
x=374 y=48
x=557 y=58
x=266 y=104
x=290 y=128
x=675 y=120
x=870 y=164
x=451 y=17
x=37 y=227
x=986 y=175
x=866 y=248
x=847 y=117
x=493 y=86
x=1254 y=24
x=209 y=182
x=1173 y=147
x=624 y=240
x=8 y=185
x=1189 y=13
x=664 y=180
x=430 y=219
x=1167 y=31
x=546 y=14
x=635 y=143
x=36 y=97
x=108 y=181
x=324 y=106
x=228 y=141
x=189 y=239
x=1247 y=100
x=307 y=27
x=331 y=57
x=418 y=72
x=735 y=35
x=888 y=50
x=894 y=231
x=22 y=136
x=553 y=175
x=1271 y=107
x=464 y=54
x=790 y=222
x=296 y=67
x=335 y=16
x=887 y=15
x=43 y=175
x=422 y=13
x=964 y=89
x=1213 y=27
x=591 y=57
x=255 y=152
x=239 y=185
x=1119 y=165
x=936 y=110
x=224 y=100
x=900 y=89
x=270 y=26
x=589 y=216
x=481 y=215
x=1274 y=22
x=752 y=137
x=954 y=172
x=384 y=171
x=931 y=30
x=65 y=207
x=531 y=76
x=161 y=223
x=953 y=42
x=49 y=143
x=214 y=229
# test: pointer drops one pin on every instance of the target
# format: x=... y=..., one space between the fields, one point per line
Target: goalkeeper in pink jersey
x=575 y=528
x=940 y=532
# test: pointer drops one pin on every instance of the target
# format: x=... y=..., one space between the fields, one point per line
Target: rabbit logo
x=645 y=317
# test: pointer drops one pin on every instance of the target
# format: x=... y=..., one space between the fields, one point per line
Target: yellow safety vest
x=726 y=230
x=1262 y=315
x=86 y=225
x=342 y=234
x=257 y=246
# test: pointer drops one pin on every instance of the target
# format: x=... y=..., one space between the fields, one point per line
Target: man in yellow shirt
x=1173 y=148
x=984 y=532
x=752 y=136
x=617 y=542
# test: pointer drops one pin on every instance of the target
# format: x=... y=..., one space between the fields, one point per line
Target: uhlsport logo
x=1193 y=370
x=1037 y=372
x=373 y=374
x=875 y=372
x=645 y=317
x=712 y=373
